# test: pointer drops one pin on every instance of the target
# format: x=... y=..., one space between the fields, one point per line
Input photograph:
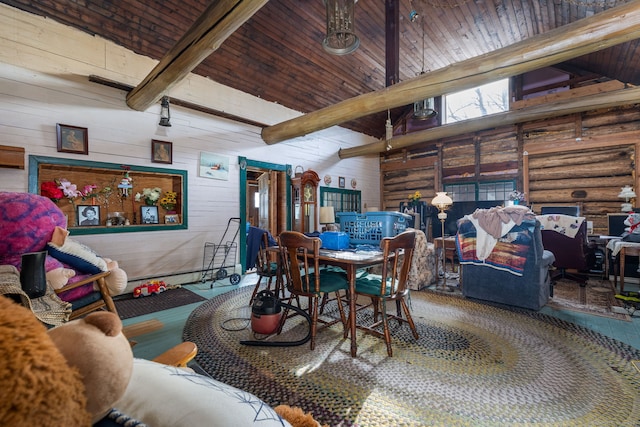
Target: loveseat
x=511 y=269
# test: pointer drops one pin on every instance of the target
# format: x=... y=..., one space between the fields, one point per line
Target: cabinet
x=304 y=203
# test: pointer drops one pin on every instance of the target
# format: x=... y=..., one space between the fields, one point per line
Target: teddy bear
x=50 y=377
x=76 y=373
x=297 y=417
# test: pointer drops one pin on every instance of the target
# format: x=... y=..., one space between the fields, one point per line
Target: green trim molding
x=142 y=176
x=244 y=164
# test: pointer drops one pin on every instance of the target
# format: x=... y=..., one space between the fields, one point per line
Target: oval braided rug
x=474 y=365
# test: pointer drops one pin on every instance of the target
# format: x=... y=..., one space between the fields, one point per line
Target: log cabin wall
x=581 y=159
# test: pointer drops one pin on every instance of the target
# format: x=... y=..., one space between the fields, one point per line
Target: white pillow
x=78 y=256
x=160 y=395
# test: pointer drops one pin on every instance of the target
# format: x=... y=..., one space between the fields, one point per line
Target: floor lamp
x=442 y=202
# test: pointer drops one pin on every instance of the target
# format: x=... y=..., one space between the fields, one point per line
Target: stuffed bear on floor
x=73 y=374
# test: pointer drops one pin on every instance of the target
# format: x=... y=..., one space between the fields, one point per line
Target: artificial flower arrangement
x=149 y=195
x=169 y=201
x=415 y=197
x=517 y=196
x=59 y=188
x=51 y=189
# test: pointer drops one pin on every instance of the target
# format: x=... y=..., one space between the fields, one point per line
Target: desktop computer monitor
x=615 y=223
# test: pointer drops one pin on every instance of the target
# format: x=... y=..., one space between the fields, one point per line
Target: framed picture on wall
x=88 y=215
x=149 y=214
x=161 y=151
x=341 y=182
x=213 y=166
x=72 y=139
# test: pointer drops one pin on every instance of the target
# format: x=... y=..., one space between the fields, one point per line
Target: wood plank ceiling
x=277 y=54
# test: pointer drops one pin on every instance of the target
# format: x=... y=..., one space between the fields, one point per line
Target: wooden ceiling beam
x=212 y=28
x=605 y=29
x=538 y=112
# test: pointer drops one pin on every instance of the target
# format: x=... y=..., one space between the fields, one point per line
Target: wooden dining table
x=350 y=262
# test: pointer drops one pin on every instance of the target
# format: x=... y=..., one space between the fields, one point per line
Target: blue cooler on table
x=335 y=240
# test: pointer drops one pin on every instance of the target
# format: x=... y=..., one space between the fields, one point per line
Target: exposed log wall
x=581 y=159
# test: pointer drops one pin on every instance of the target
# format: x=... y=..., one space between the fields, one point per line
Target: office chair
x=574 y=256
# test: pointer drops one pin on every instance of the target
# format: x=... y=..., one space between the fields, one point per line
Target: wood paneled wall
x=581 y=159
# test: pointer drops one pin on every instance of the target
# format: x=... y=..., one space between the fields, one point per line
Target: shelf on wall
x=11 y=157
x=81 y=173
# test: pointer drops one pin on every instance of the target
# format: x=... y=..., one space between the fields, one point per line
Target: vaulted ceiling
x=277 y=54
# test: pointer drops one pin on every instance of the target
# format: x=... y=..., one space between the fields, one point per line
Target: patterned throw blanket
x=509 y=253
x=48 y=309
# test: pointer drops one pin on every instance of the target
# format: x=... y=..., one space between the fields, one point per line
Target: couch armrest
x=548 y=258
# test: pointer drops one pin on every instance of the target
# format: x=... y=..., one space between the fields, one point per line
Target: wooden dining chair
x=391 y=285
x=304 y=277
x=266 y=269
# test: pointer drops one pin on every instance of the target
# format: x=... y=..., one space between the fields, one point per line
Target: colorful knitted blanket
x=509 y=253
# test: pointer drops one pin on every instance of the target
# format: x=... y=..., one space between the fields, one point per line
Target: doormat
x=129 y=306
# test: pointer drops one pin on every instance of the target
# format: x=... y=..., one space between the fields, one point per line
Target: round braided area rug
x=473 y=365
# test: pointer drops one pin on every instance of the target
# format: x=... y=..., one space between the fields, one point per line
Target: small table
x=620 y=250
x=449 y=251
x=624 y=251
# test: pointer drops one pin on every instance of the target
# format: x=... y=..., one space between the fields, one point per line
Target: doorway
x=265 y=191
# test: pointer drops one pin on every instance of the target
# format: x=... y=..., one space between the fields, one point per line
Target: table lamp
x=442 y=202
x=328 y=218
x=627 y=193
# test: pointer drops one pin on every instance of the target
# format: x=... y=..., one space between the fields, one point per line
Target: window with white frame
x=480 y=101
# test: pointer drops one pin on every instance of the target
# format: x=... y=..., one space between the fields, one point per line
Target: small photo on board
x=171 y=219
x=149 y=214
x=88 y=215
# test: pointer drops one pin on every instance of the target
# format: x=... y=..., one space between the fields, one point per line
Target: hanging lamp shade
x=341 y=38
x=424 y=109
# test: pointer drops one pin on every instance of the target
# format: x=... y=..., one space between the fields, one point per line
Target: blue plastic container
x=336 y=240
x=371 y=227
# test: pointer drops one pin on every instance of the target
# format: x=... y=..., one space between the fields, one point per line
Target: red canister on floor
x=265 y=313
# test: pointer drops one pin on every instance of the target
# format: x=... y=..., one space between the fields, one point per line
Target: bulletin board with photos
x=108 y=203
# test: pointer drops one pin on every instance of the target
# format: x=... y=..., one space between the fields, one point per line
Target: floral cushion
x=423 y=266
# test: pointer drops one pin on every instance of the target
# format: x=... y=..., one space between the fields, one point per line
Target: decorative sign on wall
x=213 y=166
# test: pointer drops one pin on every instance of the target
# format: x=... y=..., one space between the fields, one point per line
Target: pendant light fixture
x=423 y=109
x=165 y=113
x=341 y=38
